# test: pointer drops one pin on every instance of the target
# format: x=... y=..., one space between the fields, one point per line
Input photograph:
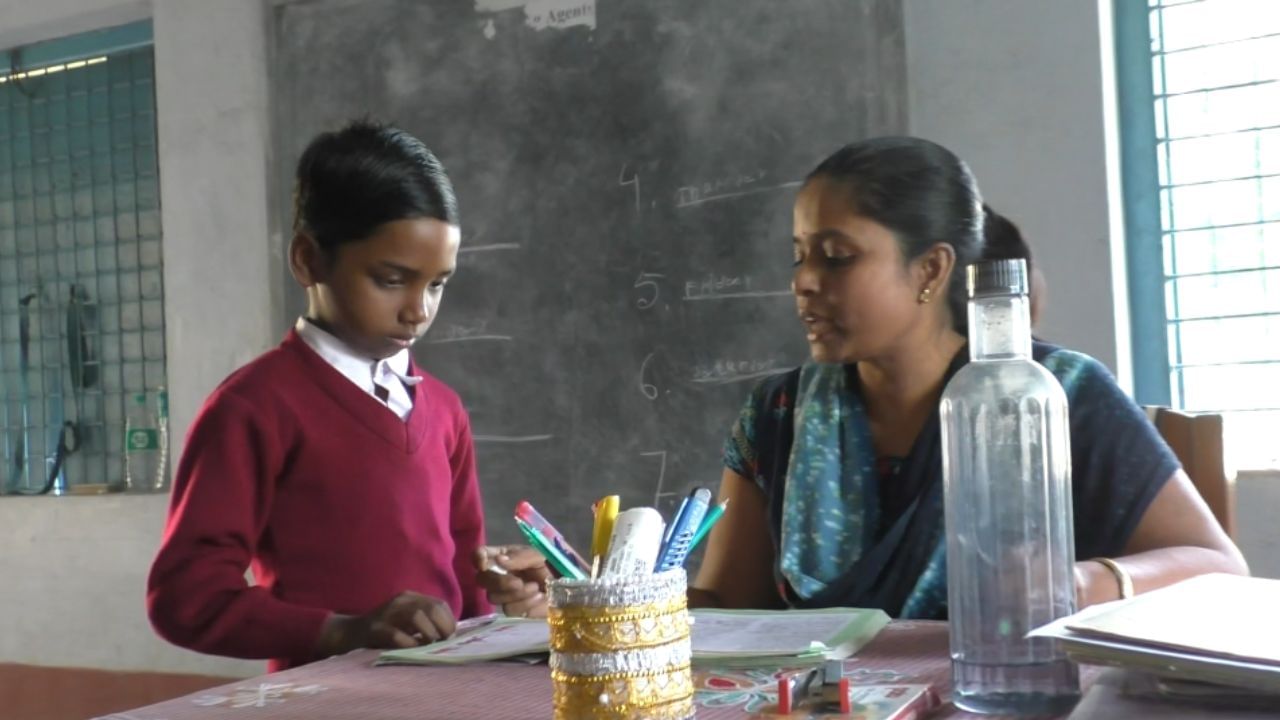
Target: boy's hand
x=521 y=592
x=406 y=620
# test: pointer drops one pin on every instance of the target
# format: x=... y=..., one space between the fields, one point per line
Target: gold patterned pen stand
x=620 y=648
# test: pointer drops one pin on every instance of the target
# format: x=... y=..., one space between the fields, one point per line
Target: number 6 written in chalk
x=649 y=390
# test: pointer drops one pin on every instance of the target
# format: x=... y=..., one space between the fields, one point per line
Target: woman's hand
x=522 y=590
x=1177 y=538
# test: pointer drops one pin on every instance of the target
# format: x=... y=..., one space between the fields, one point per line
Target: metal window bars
x=81 y=288
x=1217 y=108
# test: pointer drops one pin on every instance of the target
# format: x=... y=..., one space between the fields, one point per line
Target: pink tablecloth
x=350 y=687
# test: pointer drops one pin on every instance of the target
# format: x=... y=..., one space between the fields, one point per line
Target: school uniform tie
x=393 y=389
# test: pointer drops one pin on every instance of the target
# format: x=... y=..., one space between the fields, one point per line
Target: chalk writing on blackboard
x=723 y=372
x=648 y=389
x=473 y=332
x=488 y=248
x=691 y=196
x=470 y=240
x=659 y=492
x=716 y=187
x=646 y=284
x=744 y=294
x=715 y=286
x=633 y=180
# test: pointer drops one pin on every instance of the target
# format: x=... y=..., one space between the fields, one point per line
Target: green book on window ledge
x=721 y=638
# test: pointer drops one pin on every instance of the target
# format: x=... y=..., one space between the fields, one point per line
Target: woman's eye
x=388 y=282
x=834 y=254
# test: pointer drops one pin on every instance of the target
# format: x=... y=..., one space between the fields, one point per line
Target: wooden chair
x=1197 y=440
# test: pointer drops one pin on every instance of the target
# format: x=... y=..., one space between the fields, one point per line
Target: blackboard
x=625 y=171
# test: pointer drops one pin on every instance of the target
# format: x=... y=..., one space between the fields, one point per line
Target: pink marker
x=525 y=512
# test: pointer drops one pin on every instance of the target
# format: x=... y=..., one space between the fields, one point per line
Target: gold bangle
x=1122 y=576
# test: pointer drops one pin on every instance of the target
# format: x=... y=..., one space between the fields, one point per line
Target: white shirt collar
x=360 y=370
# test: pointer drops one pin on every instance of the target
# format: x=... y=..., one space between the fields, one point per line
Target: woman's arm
x=1177 y=538
x=737 y=567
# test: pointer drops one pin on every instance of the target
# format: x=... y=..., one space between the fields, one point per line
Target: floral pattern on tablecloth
x=257 y=696
x=753 y=689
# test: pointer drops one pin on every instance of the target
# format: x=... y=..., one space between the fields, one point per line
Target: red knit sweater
x=335 y=503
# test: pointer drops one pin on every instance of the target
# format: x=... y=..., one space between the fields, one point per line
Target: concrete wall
x=1257 y=498
x=1017 y=88
x=74 y=569
x=74 y=574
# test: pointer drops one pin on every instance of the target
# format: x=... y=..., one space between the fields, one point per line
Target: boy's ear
x=306 y=260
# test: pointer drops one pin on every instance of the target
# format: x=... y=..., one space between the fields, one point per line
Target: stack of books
x=1217 y=629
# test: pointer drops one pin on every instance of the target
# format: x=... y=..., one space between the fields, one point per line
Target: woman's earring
x=925 y=296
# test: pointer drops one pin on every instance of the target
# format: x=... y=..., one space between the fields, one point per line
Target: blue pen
x=684 y=526
x=671 y=527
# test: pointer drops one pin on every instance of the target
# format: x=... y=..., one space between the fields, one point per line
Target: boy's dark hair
x=1004 y=239
x=351 y=181
x=922 y=192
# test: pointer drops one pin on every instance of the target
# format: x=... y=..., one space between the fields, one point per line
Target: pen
x=561 y=564
x=606 y=511
x=526 y=513
x=671 y=528
x=684 y=527
x=712 y=517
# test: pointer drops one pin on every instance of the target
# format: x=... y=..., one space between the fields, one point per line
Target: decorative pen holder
x=620 y=648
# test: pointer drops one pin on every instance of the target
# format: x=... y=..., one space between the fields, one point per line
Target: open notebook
x=723 y=638
x=1215 y=628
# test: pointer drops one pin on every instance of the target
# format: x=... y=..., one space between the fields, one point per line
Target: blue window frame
x=1199 y=86
x=81 y=282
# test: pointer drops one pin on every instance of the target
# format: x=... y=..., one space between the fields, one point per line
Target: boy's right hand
x=522 y=591
x=406 y=620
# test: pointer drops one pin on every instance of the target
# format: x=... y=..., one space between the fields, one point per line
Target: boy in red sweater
x=332 y=466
